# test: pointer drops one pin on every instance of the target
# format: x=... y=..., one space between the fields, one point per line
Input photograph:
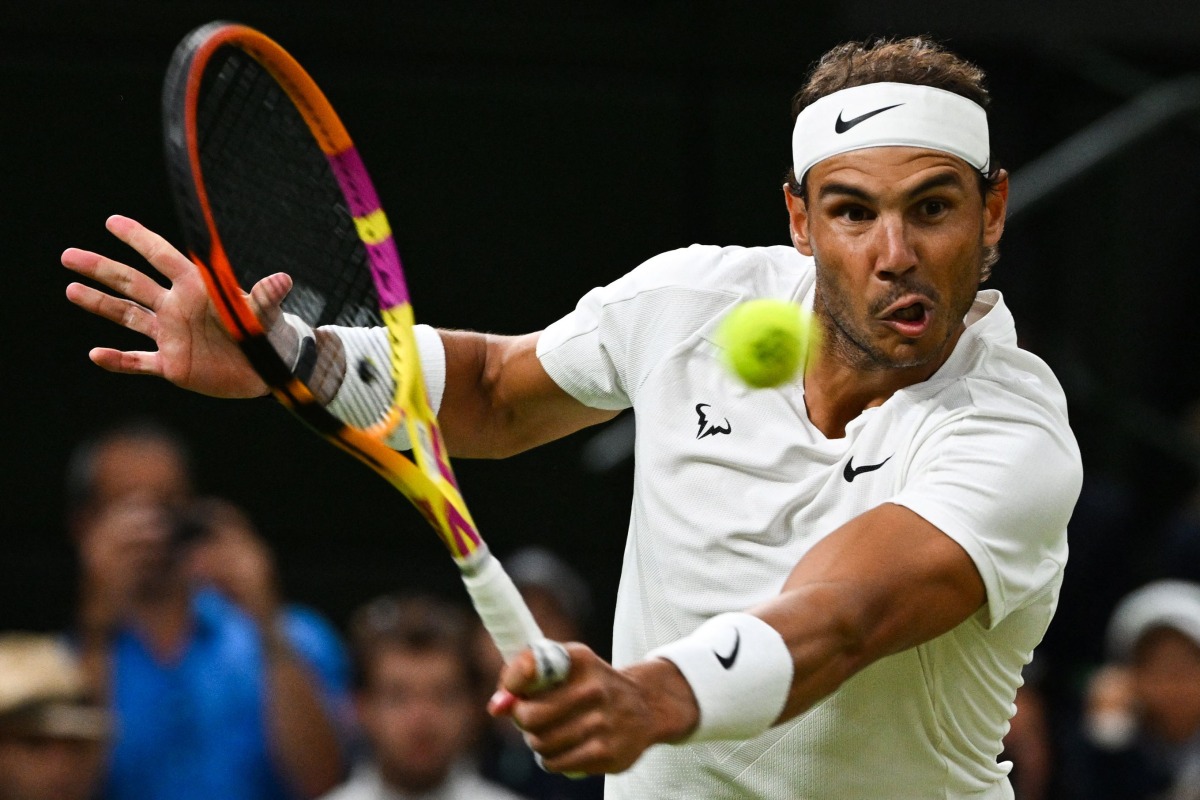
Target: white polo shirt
x=733 y=486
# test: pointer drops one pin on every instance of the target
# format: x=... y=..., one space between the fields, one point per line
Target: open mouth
x=909 y=320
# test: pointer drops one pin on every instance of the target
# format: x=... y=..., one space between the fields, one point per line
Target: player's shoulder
x=742 y=271
x=990 y=373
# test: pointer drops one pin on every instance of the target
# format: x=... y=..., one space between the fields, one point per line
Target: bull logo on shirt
x=707 y=428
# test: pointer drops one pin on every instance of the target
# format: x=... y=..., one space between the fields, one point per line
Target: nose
x=895 y=254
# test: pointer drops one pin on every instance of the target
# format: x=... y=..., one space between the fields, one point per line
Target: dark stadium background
x=526 y=152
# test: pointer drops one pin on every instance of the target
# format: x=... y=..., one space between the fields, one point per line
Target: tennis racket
x=266 y=180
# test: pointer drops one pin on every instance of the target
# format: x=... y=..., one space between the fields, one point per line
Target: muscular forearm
x=303 y=738
x=884 y=582
x=827 y=633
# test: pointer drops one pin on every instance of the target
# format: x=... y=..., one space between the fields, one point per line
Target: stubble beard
x=850 y=344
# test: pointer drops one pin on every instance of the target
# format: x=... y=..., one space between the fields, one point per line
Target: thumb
x=268 y=295
x=517 y=679
x=520 y=676
x=266 y=299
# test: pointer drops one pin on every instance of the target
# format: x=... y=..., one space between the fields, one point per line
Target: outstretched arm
x=498 y=399
x=886 y=581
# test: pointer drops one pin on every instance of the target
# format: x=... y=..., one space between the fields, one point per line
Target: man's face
x=419 y=715
x=145 y=468
x=898 y=235
x=1166 y=680
x=137 y=487
x=46 y=768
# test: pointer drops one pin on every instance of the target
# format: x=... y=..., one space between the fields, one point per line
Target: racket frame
x=428 y=481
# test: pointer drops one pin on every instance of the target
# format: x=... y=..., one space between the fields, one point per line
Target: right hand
x=194 y=349
x=599 y=719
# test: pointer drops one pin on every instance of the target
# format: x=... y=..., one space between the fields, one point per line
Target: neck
x=163 y=619
x=837 y=389
x=406 y=783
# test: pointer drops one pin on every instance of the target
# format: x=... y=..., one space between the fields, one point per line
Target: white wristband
x=740 y=672
x=367 y=389
x=432 y=352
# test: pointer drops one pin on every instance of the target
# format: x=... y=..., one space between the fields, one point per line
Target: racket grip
x=508 y=619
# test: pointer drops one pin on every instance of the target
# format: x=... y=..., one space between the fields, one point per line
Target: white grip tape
x=366 y=394
x=740 y=671
x=506 y=617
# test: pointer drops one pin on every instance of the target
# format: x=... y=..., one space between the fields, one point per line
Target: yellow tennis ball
x=765 y=340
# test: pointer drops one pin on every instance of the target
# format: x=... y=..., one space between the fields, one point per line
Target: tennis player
x=829 y=588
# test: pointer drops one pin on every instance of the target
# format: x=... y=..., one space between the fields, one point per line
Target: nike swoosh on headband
x=841 y=126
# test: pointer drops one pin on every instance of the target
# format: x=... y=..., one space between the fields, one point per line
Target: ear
x=995 y=207
x=798 y=221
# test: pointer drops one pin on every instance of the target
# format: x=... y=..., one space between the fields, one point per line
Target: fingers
x=595 y=721
x=520 y=676
x=152 y=247
x=125 y=313
x=126 y=362
x=501 y=703
x=560 y=708
x=266 y=298
x=268 y=295
x=117 y=276
x=586 y=741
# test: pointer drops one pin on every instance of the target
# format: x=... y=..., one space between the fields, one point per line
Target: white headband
x=890 y=115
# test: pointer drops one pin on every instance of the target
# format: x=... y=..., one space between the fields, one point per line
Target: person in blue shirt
x=219 y=690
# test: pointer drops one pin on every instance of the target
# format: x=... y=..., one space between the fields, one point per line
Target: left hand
x=194 y=350
x=600 y=719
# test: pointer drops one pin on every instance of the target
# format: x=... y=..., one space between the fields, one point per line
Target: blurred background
x=527 y=151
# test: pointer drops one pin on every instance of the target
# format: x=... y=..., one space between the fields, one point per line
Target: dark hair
x=917 y=60
x=418 y=623
x=81 y=466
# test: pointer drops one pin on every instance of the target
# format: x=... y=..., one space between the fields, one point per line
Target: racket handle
x=511 y=625
x=506 y=617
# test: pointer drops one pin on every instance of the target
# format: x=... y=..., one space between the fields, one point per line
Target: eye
x=853 y=213
x=933 y=207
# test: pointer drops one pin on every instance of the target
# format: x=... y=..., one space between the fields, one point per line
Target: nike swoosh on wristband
x=850 y=472
x=841 y=126
x=727 y=661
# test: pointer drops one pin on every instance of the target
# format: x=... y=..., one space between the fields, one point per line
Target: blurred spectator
x=218 y=690
x=419 y=700
x=1141 y=730
x=1028 y=744
x=561 y=602
x=52 y=731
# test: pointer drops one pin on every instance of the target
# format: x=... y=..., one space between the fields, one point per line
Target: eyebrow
x=950 y=179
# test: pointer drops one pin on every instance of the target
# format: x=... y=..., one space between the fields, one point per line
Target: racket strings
x=278 y=207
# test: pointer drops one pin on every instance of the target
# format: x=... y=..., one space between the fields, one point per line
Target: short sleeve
x=1003 y=487
x=602 y=351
